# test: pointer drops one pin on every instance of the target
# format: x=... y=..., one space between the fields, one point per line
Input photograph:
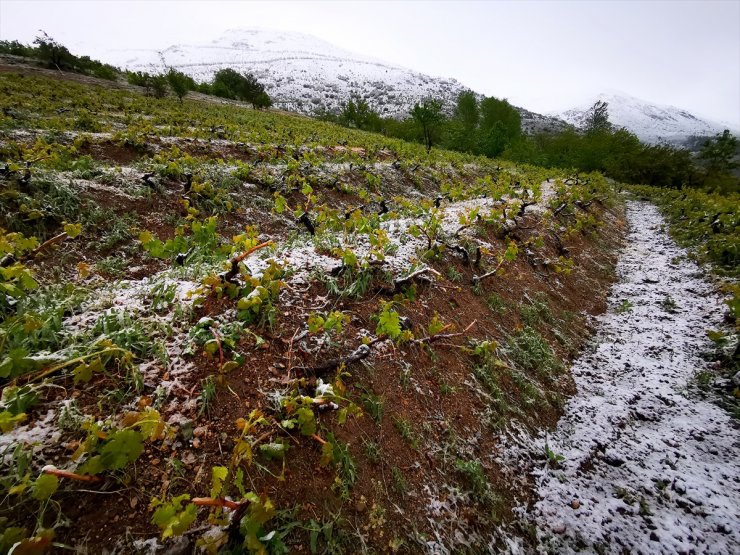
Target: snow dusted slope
x=652 y=123
x=305 y=74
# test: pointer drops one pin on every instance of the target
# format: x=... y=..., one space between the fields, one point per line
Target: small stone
x=361 y=505
x=133 y=502
x=200 y=431
x=723 y=528
x=154 y=462
x=196 y=443
x=613 y=459
x=575 y=504
x=559 y=529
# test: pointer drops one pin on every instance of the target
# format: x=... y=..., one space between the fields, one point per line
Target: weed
x=207 y=395
x=343 y=462
x=624 y=306
x=669 y=304
x=113 y=266
x=447 y=389
x=373 y=405
x=496 y=303
x=529 y=351
x=553 y=458
x=372 y=451
x=454 y=275
x=475 y=476
x=407 y=431
x=399 y=481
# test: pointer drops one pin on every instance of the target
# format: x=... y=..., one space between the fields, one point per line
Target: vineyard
x=247 y=331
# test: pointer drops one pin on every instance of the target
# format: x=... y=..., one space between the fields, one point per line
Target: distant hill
x=652 y=123
x=305 y=74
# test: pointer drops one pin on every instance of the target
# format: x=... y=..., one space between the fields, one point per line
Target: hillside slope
x=253 y=329
x=305 y=74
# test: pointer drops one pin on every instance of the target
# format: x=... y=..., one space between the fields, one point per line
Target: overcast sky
x=545 y=56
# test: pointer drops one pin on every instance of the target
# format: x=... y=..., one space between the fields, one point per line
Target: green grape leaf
x=44 y=486
x=92 y=466
x=389 y=323
x=171 y=518
x=306 y=421
x=72 y=230
x=124 y=447
x=218 y=475
x=8 y=421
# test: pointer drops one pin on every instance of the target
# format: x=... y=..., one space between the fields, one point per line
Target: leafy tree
x=463 y=129
x=466 y=110
x=15 y=48
x=429 y=119
x=262 y=100
x=500 y=125
x=228 y=83
x=158 y=85
x=180 y=83
x=597 y=118
x=250 y=89
x=357 y=113
x=719 y=153
x=53 y=52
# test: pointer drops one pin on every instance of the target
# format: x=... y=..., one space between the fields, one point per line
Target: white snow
x=651 y=122
x=303 y=73
x=649 y=466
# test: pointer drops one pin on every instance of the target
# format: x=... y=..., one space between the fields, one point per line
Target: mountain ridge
x=309 y=75
x=651 y=122
x=306 y=74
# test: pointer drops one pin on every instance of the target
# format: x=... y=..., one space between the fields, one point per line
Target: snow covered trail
x=648 y=467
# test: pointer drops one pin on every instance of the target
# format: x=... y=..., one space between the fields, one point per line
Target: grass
x=496 y=303
x=406 y=431
x=536 y=310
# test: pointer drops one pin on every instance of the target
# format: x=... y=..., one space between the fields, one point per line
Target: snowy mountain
x=306 y=74
x=652 y=123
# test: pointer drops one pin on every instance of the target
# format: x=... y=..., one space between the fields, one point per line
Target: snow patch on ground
x=648 y=467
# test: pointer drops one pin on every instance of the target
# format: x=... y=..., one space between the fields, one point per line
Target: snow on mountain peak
x=306 y=74
x=651 y=122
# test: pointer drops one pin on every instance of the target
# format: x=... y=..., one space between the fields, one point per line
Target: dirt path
x=648 y=466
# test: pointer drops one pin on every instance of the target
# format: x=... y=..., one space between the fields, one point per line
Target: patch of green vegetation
x=529 y=351
x=406 y=430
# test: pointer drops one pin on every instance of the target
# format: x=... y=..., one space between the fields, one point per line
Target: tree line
x=492 y=127
x=479 y=125
x=226 y=83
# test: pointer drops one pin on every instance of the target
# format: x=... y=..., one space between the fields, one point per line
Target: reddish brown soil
x=435 y=417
